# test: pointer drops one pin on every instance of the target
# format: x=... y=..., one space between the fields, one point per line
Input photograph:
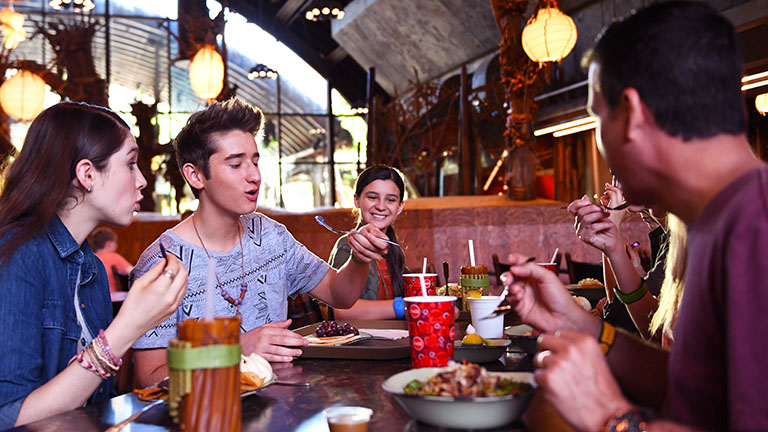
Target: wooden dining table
x=281 y=407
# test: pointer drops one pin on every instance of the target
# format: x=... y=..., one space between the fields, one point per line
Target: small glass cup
x=348 y=418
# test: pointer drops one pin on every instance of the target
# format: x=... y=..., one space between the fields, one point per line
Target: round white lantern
x=22 y=96
x=549 y=35
x=206 y=73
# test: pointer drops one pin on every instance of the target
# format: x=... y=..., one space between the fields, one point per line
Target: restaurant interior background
x=491 y=142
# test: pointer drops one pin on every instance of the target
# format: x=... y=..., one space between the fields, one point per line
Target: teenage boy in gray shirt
x=258 y=263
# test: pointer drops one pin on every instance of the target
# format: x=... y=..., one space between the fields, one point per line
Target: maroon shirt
x=718 y=366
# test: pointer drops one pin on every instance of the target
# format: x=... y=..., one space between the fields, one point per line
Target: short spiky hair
x=684 y=60
x=194 y=144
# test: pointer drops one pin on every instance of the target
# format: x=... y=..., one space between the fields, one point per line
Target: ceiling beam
x=298 y=12
x=287 y=10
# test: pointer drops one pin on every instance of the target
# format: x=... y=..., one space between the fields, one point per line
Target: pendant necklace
x=243 y=284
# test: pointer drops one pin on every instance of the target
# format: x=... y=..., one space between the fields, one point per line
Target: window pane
x=303 y=139
x=305 y=186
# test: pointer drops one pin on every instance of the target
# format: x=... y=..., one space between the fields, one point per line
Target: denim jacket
x=38 y=322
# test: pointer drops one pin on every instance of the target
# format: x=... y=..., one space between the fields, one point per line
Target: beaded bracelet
x=97 y=355
x=104 y=345
x=104 y=371
x=85 y=364
x=607 y=337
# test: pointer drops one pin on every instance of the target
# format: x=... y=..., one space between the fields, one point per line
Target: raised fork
x=322 y=222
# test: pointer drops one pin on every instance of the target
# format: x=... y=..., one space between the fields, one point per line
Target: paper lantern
x=12 y=28
x=761 y=103
x=206 y=73
x=549 y=35
x=22 y=96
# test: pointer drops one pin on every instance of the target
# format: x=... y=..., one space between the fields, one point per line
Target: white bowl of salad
x=462 y=396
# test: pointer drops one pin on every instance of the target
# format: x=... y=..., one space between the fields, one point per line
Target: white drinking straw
x=423 y=285
x=554 y=255
x=471 y=253
x=424 y=266
x=210 y=287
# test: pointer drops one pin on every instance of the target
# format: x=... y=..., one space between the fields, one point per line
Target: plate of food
x=475 y=349
x=255 y=375
x=462 y=395
x=335 y=333
x=357 y=343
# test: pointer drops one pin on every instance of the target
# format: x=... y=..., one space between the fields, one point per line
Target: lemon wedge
x=472 y=339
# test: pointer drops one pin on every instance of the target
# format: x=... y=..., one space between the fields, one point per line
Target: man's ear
x=637 y=116
x=194 y=175
x=84 y=174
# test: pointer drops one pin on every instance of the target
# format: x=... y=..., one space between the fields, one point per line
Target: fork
x=321 y=221
x=621 y=206
x=503 y=309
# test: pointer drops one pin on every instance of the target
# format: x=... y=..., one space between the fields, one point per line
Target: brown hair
x=194 y=144
x=100 y=236
x=39 y=182
x=395 y=257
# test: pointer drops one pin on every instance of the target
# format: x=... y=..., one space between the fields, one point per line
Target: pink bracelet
x=90 y=367
x=105 y=347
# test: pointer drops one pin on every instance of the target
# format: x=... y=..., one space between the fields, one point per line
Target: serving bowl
x=459 y=412
x=480 y=353
x=520 y=336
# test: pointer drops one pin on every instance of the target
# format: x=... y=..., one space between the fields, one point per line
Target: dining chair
x=303 y=310
x=578 y=270
x=499 y=268
x=121 y=278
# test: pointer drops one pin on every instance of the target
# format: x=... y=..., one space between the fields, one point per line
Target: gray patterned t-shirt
x=276 y=266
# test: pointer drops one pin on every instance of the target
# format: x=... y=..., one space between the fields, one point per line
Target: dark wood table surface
x=286 y=408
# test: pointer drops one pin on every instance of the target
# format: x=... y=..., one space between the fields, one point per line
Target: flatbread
x=331 y=340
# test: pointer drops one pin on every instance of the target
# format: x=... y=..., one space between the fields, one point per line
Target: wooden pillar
x=467 y=169
x=370 y=118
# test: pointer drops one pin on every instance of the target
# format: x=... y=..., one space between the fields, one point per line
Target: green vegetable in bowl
x=413 y=387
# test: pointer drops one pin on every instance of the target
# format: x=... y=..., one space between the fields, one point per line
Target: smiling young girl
x=60 y=346
x=379 y=194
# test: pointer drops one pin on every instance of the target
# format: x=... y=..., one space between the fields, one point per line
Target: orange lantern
x=22 y=96
x=549 y=35
x=206 y=73
x=12 y=28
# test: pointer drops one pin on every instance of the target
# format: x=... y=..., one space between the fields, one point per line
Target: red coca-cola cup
x=431 y=329
x=413 y=284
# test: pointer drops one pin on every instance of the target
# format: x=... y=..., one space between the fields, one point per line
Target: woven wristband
x=356 y=259
x=632 y=297
x=399 y=306
x=607 y=337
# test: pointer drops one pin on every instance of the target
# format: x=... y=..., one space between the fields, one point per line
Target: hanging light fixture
x=549 y=35
x=12 y=27
x=76 y=5
x=262 y=71
x=761 y=103
x=329 y=11
x=22 y=96
x=206 y=73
